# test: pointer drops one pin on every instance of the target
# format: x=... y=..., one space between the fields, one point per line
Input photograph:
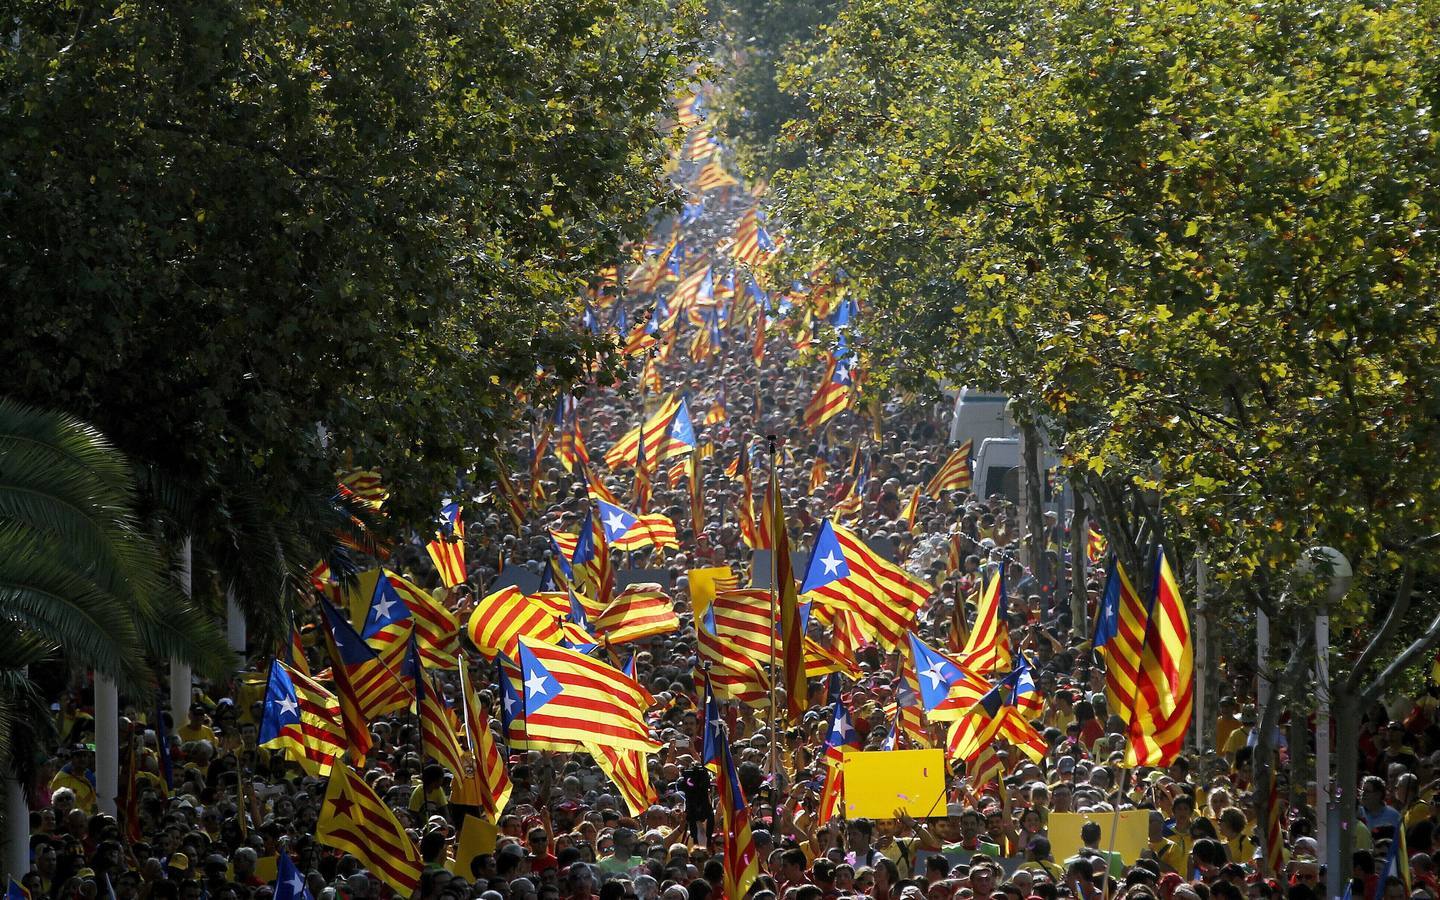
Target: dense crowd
x=216 y=812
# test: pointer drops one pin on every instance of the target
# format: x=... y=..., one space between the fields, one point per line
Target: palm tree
x=79 y=576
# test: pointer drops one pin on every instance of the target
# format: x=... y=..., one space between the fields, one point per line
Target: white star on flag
x=615 y=523
x=289 y=707
x=535 y=685
x=831 y=562
x=935 y=673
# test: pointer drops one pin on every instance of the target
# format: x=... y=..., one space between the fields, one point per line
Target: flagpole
x=774 y=576
x=1114 y=827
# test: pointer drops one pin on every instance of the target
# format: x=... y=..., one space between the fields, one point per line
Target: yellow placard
x=477 y=836
x=702 y=587
x=879 y=782
x=1132 y=834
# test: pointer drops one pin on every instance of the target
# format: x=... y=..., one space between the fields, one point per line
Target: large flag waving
x=987 y=649
x=639 y=611
x=625 y=530
x=954 y=474
x=302 y=718
x=845 y=574
x=737 y=842
x=571 y=699
x=1164 y=693
x=792 y=623
x=1119 y=631
x=834 y=395
x=354 y=819
x=447 y=551
x=660 y=444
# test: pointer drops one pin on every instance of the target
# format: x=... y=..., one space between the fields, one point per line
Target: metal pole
x=1322 y=732
x=1202 y=646
x=774 y=602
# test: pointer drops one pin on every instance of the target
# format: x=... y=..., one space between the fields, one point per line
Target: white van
x=979 y=416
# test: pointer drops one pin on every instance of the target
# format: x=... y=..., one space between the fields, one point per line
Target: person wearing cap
x=1038 y=858
x=197 y=727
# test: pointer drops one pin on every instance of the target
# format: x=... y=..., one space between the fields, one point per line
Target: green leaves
x=226 y=226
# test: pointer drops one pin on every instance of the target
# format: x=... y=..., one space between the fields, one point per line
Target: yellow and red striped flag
x=716 y=414
x=596 y=488
x=988 y=649
x=954 y=474
x=502 y=618
x=700 y=144
x=511 y=501
x=590 y=560
x=1095 y=545
x=638 y=612
x=570 y=699
x=438 y=740
x=836 y=390
x=302 y=718
x=752 y=244
x=845 y=574
x=757 y=348
x=486 y=782
x=737 y=842
x=1120 y=623
x=627 y=770
x=436 y=628
x=792 y=626
x=571 y=449
x=1164 y=693
x=365 y=686
x=748 y=532
x=295 y=652
x=819 y=473
x=912 y=509
x=354 y=819
x=656 y=429
x=447 y=551
x=365 y=487
x=713 y=176
x=735 y=672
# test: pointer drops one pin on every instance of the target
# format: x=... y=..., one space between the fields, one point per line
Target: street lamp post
x=1332 y=565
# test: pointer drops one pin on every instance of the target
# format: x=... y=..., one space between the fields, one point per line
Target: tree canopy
x=248 y=241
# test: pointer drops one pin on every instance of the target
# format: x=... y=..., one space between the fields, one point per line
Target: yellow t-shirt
x=418 y=797
x=84 y=791
x=201 y=732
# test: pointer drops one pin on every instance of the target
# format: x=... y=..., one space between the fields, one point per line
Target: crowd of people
x=216 y=813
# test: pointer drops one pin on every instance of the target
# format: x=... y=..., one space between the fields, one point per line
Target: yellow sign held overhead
x=879 y=782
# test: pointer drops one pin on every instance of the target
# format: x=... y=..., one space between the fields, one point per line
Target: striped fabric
x=832 y=397
x=650 y=529
x=735 y=674
x=628 y=771
x=502 y=618
x=988 y=649
x=509 y=499
x=757 y=348
x=365 y=486
x=1120 y=624
x=448 y=555
x=954 y=474
x=570 y=699
x=353 y=819
x=700 y=144
x=364 y=684
x=437 y=733
x=713 y=176
x=884 y=598
x=656 y=429
x=638 y=612
x=1164 y=693
x=437 y=629
x=302 y=718
x=570 y=449
x=486 y=781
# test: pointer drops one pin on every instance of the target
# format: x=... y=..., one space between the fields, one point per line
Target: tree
x=1191 y=238
x=248 y=241
x=79 y=576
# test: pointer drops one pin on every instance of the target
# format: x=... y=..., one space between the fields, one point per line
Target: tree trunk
x=1079 y=545
x=1286 y=685
x=1034 y=510
x=1346 y=709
